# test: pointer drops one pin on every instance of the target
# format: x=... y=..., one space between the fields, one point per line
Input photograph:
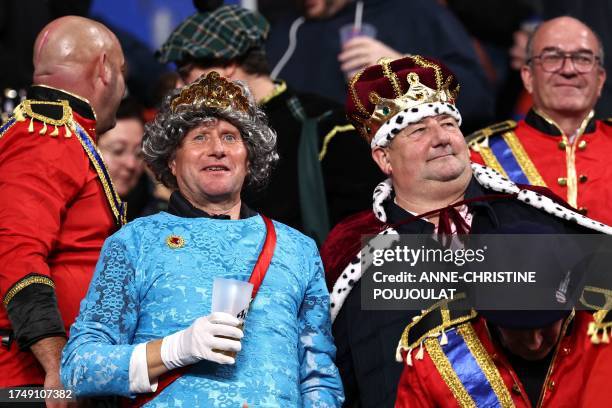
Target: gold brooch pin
x=175 y=241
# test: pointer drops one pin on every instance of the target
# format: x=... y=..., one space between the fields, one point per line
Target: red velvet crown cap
x=377 y=93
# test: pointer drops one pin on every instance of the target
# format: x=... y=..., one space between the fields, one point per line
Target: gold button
x=582 y=144
x=516 y=389
x=583 y=178
x=562 y=145
x=562 y=181
x=551 y=385
x=583 y=210
x=566 y=350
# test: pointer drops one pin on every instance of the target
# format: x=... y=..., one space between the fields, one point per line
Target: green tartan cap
x=225 y=33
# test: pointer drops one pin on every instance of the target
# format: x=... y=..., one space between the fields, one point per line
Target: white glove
x=198 y=341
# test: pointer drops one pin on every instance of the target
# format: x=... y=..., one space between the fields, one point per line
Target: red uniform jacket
x=54 y=218
x=426 y=383
x=535 y=151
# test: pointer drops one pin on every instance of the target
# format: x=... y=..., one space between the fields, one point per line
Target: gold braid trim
x=330 y=136
x=486 y=365
x=600 y=330
x=25 y=108
x=606 y=293
x=279 y=88
x=442 y=307
x=491 y=161
x=448 y=374
x=24 y=283
x=109 y=190
x=7 y=129
x=437 y=71
x=355 y=97
x=572 y=177
x=523 y=159
x=74 y=96
x=390 y=75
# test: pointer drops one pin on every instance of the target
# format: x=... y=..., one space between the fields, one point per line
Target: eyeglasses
x=553 y=61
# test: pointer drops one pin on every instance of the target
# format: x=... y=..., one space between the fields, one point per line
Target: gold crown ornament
x=211 y=91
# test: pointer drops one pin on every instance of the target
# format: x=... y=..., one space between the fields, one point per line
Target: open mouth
x=216 y=168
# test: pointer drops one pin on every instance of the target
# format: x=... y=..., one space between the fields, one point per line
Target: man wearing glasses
x=559 y=144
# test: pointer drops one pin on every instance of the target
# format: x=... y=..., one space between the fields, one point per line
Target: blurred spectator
x=493 y=26
x=559 y=144
x=122 y=152
x=143 y=67
x=314 y=185
x=320 y=63
x=121 y=147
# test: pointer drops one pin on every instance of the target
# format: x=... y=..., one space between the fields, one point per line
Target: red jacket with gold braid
x=536 y=152
x=430 y=377
x=55 y=213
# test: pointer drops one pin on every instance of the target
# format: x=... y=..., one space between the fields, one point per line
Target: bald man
x=559 y=144
x=57 y=203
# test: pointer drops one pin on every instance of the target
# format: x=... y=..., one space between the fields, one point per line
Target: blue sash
x=506 y=158
x=469 y=371
x=7 y=125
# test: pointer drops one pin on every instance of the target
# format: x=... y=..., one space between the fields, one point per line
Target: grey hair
x=532 y=34
x=164 y=135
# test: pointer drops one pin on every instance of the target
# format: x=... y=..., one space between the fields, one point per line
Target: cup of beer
x=234 y=297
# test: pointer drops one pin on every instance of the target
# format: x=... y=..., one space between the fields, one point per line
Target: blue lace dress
x=143 y=289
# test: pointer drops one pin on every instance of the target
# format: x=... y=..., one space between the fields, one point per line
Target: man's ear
x=527 y=77
x=601 y=78
x=172 y=166
x=381 y=157
x=229 y=70
x=104 y=68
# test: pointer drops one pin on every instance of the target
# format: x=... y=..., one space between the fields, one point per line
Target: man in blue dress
x=145 y=329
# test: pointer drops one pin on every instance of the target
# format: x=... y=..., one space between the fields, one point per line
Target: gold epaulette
x=481 y=136
x=58 y=114
x=599 y=328
x=434 y=322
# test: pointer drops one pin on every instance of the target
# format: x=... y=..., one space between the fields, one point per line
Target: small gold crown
x=211 y=91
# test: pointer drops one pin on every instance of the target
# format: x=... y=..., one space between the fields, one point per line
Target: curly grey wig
x=164 y=135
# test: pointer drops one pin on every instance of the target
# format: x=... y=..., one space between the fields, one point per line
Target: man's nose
x=440 y=136
x=217 y=148
x=567 y=66
x=534 y=340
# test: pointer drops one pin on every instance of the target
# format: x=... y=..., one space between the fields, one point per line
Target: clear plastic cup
x=233 y=297
x=349 y=31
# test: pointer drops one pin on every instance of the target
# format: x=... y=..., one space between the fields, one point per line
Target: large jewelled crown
x=411 y=88
x=211 y=91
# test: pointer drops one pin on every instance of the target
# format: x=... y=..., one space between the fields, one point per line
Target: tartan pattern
x=225 y=33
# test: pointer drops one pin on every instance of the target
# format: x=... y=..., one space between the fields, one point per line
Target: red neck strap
x=265 y=256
